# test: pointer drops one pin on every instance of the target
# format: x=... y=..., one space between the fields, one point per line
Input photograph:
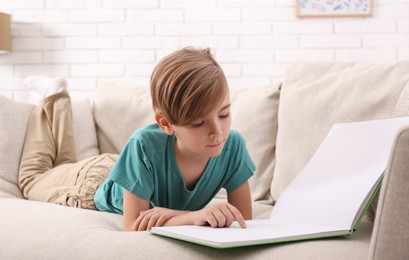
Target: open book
x=328 y=198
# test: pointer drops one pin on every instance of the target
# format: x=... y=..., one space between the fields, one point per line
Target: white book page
x=334 y=184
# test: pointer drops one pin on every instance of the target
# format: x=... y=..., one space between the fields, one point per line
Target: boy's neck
x=191 y=166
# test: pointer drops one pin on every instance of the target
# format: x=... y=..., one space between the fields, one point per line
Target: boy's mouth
x=215 y=145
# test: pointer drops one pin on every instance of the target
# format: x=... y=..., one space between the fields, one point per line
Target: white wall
x=88 y=41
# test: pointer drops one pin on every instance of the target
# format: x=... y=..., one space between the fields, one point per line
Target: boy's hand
x=155 y=217
x=219 y=215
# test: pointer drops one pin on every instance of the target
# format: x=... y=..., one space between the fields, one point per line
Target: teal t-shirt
x=147 y=168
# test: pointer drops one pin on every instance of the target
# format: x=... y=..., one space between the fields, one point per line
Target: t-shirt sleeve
x=243 y=166
x=133 y=170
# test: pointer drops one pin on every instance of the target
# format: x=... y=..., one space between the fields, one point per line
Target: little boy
x=169 y=171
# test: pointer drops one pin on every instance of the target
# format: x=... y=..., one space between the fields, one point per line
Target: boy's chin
x=215 y=153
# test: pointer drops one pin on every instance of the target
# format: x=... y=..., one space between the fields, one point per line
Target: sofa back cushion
x=402 y=106
x=314 y=96
x=119 y=109
x=14 y=118
x=254 y=115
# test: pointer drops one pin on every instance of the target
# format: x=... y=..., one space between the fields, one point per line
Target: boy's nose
x=216 y=131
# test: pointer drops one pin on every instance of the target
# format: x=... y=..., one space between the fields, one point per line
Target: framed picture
x=334 y=8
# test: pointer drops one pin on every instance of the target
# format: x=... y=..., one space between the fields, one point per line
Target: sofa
x=283 y=125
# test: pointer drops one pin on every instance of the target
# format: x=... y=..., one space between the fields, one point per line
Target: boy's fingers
x=229 y=218
x=137 y=223
x=212 y=221
x=162 y=219
x=152 y=221
x=143 y=224
x=220 y=217
x=237 y=215
x=145 y=218
x=207 y=218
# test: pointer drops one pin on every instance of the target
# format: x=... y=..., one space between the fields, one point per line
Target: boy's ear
x=164 y=124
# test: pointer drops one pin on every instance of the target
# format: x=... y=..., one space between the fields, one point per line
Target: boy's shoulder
x=235 y=134
x=235 y=139
x=150 y=135
x=149 y=130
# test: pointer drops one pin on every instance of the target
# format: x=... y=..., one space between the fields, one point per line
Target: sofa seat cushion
x=314 y=96
x=37 y=230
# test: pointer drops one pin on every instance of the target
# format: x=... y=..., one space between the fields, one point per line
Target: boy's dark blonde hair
x=187 y=85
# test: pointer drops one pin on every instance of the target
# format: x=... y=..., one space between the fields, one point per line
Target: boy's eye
x=196 y=125
x=225 y=115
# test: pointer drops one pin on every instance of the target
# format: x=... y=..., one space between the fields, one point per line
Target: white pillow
x=14 y=118
x=119 y=111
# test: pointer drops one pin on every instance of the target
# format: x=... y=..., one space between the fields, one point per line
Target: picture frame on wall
x=334 y=8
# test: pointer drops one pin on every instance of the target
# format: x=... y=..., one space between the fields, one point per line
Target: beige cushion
x=14 y=118
x=402 y=106
x=254 y=115
x=119 y=110
x=314 y=96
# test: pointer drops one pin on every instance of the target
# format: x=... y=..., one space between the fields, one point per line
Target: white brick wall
x=89 y=41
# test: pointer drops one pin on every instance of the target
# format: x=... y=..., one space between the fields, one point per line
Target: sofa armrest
x=390 y=238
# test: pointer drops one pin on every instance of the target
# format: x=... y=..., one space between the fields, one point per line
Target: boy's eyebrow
x=225 y=107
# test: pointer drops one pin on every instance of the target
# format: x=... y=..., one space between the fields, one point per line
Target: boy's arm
x=138 y=216
x=241 y=199
x=221 y=214
x=132 y=208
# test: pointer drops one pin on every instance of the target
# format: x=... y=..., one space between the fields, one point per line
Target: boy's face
x=206 y=136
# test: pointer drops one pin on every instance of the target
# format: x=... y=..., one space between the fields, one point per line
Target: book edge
x=217 y=245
